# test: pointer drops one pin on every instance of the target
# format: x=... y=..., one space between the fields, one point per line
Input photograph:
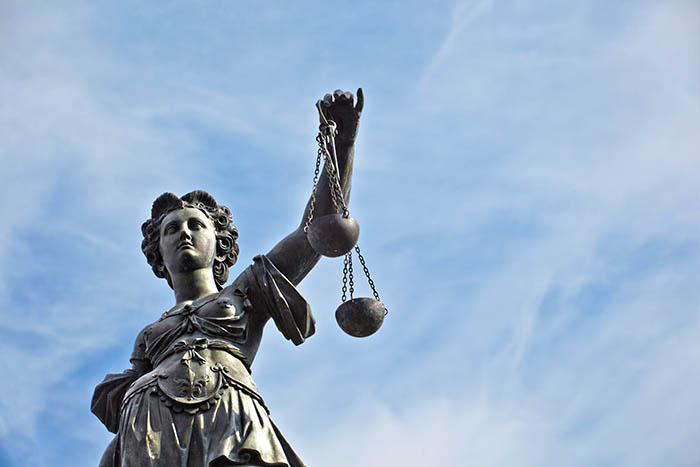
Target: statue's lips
x=185 y=245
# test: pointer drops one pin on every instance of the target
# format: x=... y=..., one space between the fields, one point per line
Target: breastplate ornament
x=194 y=380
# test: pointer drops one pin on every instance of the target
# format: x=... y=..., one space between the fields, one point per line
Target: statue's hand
x=340 y=108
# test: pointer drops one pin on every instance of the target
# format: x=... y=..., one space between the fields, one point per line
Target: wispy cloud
x=585 y=322
x=464 y=13
x=527 y=190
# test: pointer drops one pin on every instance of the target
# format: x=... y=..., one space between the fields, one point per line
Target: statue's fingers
x=327 y=100
x=338 y=94
x=360 y=101
x=349 y=98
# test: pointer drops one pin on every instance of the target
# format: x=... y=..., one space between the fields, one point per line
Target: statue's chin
x=190 y=260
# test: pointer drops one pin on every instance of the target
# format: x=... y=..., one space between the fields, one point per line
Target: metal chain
x=369 y=278
x=347 y=273
x=352 y=279
x=334 y=181
x=349 y=279
x=317 y=171
x=345 y=276
x=339 y=204
x=331 y=174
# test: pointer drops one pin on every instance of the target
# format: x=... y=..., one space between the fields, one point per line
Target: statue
x=189 y=399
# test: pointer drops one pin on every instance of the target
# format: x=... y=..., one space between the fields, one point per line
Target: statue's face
x=187 y=241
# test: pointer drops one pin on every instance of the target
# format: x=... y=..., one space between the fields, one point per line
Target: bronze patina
x=189 y=399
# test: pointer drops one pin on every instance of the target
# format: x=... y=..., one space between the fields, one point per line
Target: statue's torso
x=200 y=349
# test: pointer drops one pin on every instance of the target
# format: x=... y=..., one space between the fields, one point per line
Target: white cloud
x=615 y=223
x=542 y=299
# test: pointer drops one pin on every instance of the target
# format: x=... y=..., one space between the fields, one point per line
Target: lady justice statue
x=189 y=399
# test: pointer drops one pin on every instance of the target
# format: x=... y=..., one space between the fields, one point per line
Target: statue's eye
x=170 y=229
x=196 y=224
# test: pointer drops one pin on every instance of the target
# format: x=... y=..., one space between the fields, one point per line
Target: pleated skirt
x=236 y=430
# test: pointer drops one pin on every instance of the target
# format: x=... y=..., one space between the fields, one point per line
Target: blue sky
x=527 y=182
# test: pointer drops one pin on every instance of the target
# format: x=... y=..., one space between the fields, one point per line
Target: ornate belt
x=195 y=383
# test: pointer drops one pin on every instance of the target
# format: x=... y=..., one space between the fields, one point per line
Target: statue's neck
x=191 y=285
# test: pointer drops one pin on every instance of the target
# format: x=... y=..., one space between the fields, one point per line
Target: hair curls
x=226 y=233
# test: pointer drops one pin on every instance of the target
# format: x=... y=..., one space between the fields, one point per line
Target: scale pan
x=360 y=317
x=333 y=235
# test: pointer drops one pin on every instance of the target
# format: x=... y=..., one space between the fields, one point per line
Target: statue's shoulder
x=241 y=285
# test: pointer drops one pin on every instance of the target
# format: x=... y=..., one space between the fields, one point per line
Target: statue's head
x=218 y=220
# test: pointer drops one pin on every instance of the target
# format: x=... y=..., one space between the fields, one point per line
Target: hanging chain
x=326 y=132
x=352 y=281
x=369 y=278
x=333 y=176
x=348 y=277
x=325 y=135
x=317 y=171
x=345 y=277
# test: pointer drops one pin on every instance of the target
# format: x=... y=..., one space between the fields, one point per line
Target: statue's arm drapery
x=108 y=395
x=293 y=256
x=281 y=300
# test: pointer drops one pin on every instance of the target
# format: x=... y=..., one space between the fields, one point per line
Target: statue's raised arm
x=293 y=255
x=189 y=398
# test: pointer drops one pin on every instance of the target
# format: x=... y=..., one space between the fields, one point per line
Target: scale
x=335 y=235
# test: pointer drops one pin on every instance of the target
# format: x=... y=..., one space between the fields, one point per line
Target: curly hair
x=226 y=233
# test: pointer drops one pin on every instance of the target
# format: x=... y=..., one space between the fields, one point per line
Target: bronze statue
x=189 y=399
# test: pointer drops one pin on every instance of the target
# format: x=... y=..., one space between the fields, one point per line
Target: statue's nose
x=185 y=235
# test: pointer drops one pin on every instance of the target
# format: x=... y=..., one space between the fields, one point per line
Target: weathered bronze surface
x=360 y=317
x=333 y=235
x=189 y=399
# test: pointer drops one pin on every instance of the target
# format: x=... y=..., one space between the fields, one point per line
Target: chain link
x=332 y=172
x=345 y=276
x=369 y=278
x=317 y=171
x=334 y=180
x=340 y=207
x=352 y=278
